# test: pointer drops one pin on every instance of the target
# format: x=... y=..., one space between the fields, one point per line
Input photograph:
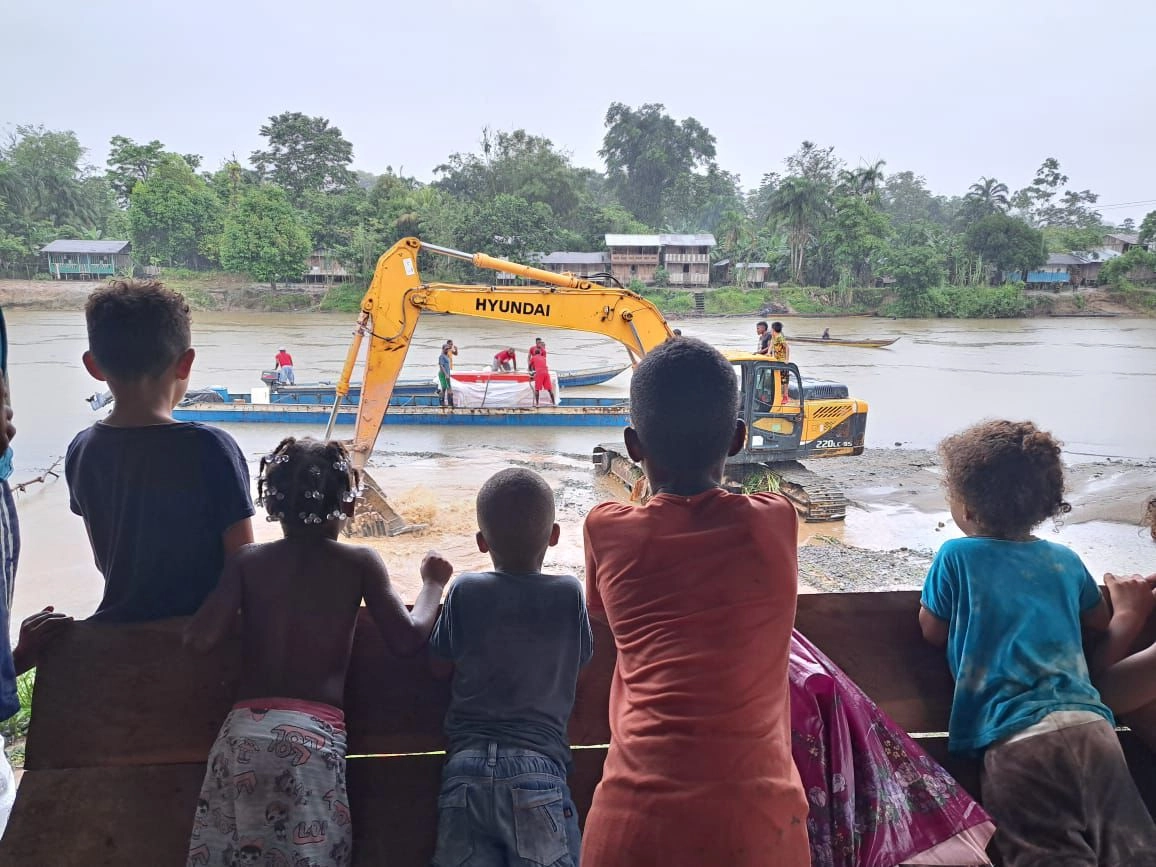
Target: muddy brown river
x=1091 y=381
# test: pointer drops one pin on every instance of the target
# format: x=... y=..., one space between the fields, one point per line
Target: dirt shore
x=879 y=483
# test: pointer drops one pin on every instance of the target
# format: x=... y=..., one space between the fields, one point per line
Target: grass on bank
x=15 y=730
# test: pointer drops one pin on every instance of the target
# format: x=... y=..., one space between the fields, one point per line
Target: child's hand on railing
x=36 y=633
x=1133 y=596
x=436 y=569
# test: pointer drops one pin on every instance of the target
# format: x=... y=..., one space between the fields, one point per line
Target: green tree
x=1006 y=244
x=906 y=199
x=331 y=218
x=696 y=202
x=991 y=195
x=1062 y=239
x=509 y=227
x=1042 y=204
x=264 y=238
x=129 y=163
x=1136 y=266
x=174 y=217
x=799 y=204
x=592 y=223
x=647 y=151
x=857 y=236
x=1148 y=228
x=515 y=164
x=304 y=154
x=916 y=270
x=864 y=181
x=815 y=163
x=46 y=164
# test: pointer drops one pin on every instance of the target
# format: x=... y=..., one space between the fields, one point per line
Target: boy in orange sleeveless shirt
x=698 y=587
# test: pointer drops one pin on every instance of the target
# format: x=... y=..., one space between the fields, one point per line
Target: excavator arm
x=396 y=298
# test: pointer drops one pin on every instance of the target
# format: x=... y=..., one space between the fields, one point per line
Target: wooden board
x=875 y=639
x=103 y=817
x=146 y=700
x=133 y=816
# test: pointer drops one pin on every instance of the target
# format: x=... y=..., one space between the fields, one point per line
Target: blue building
x=87 y=260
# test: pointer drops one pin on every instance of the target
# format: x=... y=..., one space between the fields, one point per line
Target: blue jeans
x=286 y=376
x=503 y=807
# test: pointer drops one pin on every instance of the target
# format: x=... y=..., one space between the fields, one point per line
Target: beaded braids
x=307 y=481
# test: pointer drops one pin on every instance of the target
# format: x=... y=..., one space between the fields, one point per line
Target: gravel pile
x=827 y=565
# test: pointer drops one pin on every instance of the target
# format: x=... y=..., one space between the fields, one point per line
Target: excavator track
x=816 y=499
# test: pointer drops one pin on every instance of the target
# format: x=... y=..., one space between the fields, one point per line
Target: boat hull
x=831 y=341
x=325 y=392
x=415 y=410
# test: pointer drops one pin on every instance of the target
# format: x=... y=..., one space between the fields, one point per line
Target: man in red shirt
x=540 y=373
x=285 y=365
x=506 y=360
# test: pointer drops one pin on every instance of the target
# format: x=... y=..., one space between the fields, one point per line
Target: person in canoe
x=506 y=360
x=541 y=375
x=283 y=363
x=826 y=333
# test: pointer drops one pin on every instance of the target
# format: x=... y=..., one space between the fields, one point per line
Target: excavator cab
x=772 y=406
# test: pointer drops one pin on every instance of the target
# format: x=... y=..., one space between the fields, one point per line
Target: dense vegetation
x=818 y=222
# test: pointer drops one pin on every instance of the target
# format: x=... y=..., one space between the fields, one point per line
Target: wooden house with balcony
x=633 y=257
x=87 y=260
x=686 y=258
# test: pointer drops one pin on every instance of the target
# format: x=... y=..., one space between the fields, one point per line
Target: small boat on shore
x=411 y=409
x=835 y=341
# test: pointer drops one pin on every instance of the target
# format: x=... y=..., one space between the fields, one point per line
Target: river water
x=1090 y=381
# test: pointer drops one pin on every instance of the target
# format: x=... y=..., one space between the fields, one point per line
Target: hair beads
x=309 y=479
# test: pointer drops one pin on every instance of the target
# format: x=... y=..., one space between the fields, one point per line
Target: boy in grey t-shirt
x=516 y=639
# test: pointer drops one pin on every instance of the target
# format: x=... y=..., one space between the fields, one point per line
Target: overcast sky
x=950 y=89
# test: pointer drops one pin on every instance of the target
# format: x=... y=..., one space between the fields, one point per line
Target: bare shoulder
x=362 y=558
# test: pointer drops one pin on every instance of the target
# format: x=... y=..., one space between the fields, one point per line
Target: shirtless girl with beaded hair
x=281 y=750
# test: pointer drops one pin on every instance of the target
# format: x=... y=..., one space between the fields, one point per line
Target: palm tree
x=990 y=193
x=863 y=181
x=799 y=204
x=870 y=177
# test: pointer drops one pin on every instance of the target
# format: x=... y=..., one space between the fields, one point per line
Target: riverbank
x=225 y=292
x=896 y=495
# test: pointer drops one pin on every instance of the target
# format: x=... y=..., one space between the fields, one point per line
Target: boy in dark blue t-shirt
x=516 y=639
x=164 y=503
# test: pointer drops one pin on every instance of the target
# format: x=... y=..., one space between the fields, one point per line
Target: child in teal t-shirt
x=1009 y=608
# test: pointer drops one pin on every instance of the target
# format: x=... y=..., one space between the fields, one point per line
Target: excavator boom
x=397 y=297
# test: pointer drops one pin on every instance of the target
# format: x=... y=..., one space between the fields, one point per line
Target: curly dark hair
x=1007 y=473
x=684 y=401
x=307 y=481
x=137 y=328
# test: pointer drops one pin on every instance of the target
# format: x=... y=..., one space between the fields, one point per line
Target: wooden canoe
x=835 y=341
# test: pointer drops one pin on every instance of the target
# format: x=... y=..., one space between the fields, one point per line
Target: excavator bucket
x=375 y=516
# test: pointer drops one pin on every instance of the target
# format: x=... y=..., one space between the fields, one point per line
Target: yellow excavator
x=788 y=418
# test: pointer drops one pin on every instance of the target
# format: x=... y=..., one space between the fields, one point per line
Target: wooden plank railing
x=123 y=719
